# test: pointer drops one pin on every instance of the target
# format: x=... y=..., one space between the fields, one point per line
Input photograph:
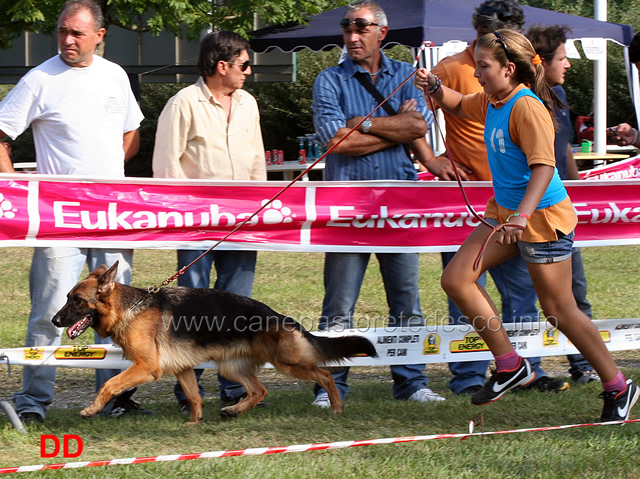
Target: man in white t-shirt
x=85 y=121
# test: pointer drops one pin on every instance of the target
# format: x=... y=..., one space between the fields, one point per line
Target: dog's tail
x=341 y=347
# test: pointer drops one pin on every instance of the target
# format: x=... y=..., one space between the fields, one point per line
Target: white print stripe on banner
x=361 y=216
x=311 y=215
x=34 y=213
x=408 y=345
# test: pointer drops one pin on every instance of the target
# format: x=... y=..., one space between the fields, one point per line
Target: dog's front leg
x=135 y=374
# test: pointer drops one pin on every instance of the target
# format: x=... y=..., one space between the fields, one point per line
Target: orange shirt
x=465 y=140
x=544 y=224
x=530 y=116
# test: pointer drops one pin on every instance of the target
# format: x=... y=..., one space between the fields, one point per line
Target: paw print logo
x=276 y=213
x=6 y=208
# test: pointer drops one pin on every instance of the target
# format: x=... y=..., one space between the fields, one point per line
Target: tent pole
x=600 y=87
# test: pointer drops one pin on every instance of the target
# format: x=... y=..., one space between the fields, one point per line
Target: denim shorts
x=546 y=252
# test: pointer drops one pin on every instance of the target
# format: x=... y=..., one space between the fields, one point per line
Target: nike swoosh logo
x=623 y=412
x=497 y=387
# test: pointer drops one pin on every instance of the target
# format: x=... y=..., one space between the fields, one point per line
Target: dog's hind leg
x=135 y=374
x=187 y=379
x=244 y=373
x=311 y=371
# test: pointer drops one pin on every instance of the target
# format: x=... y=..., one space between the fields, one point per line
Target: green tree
x=285 y=108
x=579 y=79
x=156 y=16
x=153 y=16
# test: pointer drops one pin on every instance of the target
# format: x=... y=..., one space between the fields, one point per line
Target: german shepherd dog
x=156 y=332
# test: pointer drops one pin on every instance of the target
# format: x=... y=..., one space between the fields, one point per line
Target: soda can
x=280 y=157
x=267 y=156
x=274 y=157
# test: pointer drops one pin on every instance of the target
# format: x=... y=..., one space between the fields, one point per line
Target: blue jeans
x=518 y=305
x=343 y=275
x=548 y=251
x=235 y=271
x=54 y=272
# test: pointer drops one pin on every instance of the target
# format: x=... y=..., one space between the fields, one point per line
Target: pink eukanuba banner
x=423 y=216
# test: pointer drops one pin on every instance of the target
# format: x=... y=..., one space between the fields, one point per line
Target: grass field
x=292 y=283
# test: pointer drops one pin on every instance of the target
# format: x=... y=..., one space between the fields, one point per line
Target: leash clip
x=150 y=290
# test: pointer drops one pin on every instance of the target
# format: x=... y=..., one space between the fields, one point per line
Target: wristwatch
x=366 y=126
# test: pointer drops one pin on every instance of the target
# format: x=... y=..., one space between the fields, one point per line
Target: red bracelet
x=518 y=214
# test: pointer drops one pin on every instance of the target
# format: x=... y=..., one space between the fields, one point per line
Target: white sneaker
x=425 y=395
x=322 y=400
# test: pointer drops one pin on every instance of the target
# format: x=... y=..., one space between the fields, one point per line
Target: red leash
x=500 y=227
x=181 y=271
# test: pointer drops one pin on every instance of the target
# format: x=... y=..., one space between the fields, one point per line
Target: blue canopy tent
x=413 y=21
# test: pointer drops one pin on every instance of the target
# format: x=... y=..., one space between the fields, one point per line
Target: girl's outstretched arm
x=449 y=100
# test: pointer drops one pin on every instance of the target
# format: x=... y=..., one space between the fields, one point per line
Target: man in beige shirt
x=211 y=130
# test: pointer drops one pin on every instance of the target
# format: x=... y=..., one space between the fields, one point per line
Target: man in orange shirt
x=466 y=146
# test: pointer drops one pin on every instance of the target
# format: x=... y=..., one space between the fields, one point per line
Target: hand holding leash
x=508 y=233
x=425 y=81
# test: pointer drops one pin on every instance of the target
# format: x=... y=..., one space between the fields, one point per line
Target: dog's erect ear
x=107 y=279
x=99 y=271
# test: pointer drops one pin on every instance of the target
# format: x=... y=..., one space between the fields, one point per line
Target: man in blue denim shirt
x=373 y=152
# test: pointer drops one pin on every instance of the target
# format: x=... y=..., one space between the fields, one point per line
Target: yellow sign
x=550 y=338
x=471 y=342
x=605 y=335
x=431 y=344
x=80 y=352
x=33 y=354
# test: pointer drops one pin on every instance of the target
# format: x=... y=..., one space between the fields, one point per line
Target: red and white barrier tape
x=260 y=451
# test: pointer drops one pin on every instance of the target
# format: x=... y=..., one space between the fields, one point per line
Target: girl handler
x=536 y=213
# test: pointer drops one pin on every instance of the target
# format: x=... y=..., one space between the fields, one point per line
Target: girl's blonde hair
x=511 y=46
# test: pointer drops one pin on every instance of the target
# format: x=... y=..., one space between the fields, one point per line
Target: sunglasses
x=489 y=10
x=243 y=66
x=358 y=22
x=501 y=41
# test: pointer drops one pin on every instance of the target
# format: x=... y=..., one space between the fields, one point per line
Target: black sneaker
x=501 y=382
x=618 y=404
x=468 y=391
x=233 y=402
x=545 y=383
x=123 y=404
x=184 y=406
x=31 y=418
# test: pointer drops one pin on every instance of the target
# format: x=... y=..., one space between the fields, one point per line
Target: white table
x=290 y=169
x=25 y=166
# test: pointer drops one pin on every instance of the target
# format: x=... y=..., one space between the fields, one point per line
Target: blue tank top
x=508 y=163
